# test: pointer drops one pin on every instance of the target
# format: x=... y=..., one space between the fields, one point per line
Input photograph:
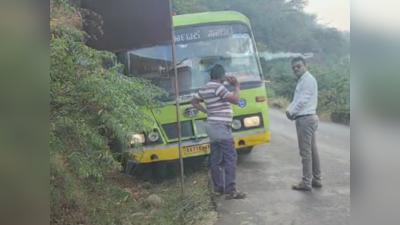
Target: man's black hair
x=217 y=72
x=298 y=59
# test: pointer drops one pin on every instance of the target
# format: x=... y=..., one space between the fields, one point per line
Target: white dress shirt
x=305 y=99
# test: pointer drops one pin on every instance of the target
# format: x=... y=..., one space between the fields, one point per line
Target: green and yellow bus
x=201 y=40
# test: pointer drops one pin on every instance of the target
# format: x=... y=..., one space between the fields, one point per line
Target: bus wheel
x=246 y=150
x=159 y=170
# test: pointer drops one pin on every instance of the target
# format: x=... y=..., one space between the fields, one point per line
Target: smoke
x=279 y=55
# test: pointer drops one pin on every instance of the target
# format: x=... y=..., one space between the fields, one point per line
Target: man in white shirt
x=303 y=111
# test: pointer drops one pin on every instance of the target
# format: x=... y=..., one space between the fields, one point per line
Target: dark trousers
x=222 y=156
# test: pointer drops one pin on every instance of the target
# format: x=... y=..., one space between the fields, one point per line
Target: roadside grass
x=278 y=102
x=325 y=116
x=194 y=207
x=282 y=103
x=122 y=199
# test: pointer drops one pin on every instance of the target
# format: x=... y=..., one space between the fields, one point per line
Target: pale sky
x=334 y=13
x=380 y=14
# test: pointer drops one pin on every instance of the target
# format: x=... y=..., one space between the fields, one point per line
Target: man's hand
x=232 y=98
x=196 y=103
x=232 y=81
x=290 y=117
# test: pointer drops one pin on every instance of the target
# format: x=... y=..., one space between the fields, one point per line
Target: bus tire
x=246 y=150
x=160 y=170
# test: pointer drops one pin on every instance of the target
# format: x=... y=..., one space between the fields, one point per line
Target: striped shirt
x=218 y=110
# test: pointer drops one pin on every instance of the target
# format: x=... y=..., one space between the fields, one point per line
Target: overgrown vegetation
x=92 y=107
x=121 y=199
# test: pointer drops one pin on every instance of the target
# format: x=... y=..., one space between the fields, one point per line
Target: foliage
x=281 y=77
x=90 y=104
x=331 y=42
x=298 y=4
x=334 y=86
x=123 y=200
x=187 y=6
x=278 y=103
x=194 y=207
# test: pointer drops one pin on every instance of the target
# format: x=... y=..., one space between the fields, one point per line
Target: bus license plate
x=190 y=150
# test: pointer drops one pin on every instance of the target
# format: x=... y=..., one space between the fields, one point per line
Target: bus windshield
x=197 y=50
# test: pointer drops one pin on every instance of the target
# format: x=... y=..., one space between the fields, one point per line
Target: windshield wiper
x=179 y=63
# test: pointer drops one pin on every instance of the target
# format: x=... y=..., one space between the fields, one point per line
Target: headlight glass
x=236 y=124
x=137 y=138
x=252 y=121
x=153 y=136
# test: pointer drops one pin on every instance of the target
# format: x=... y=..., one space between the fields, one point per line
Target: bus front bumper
x=190 y=148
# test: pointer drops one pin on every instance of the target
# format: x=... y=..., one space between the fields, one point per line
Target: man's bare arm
x=233 y=98
x=196 y=103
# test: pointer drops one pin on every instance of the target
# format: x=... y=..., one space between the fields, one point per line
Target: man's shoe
x=300 y=187
x=236 y=195
x=316 y=184
x=216 y=193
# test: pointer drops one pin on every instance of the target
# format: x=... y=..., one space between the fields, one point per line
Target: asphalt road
x=267 y=173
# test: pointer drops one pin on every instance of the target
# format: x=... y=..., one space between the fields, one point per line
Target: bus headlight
x=252 y=121
x=153 y=136
x=137 y=138
x=236 y=124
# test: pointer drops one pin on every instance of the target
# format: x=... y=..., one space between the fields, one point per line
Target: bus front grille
x=171 y=130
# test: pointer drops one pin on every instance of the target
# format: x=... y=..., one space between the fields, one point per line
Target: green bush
x=90 y=105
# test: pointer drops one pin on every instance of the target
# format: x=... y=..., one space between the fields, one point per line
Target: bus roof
x=208 y=17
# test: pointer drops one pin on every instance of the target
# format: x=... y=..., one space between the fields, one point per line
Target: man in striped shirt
x=219 y=112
